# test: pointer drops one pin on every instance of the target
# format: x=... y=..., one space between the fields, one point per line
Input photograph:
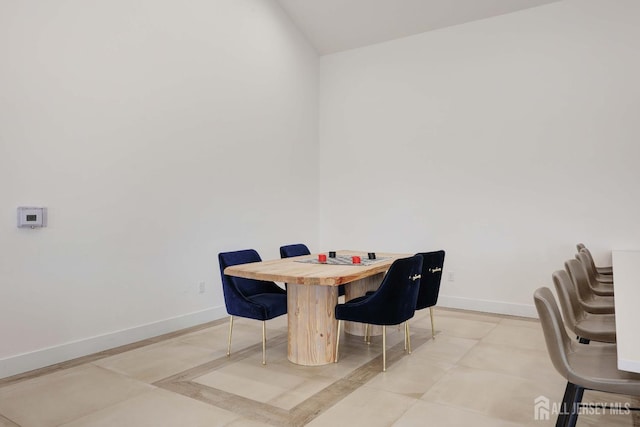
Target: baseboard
x=488 y=306
x=25 y=362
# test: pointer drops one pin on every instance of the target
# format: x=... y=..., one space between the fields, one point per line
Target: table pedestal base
x=312 y=324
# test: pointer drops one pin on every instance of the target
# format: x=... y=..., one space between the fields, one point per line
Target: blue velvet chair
x=253 y=299
x=394 y=302
x=430 y=282
x=299 y=249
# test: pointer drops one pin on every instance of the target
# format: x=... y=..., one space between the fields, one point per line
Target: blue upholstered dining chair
x=299 y=249
x=432 y=264
x=393 y=303
x=253 y=299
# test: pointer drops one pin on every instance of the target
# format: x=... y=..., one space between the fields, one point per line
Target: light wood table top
x=289 y=271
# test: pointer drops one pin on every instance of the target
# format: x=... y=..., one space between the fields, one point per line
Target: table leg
x=312 y=323
x=356 y=289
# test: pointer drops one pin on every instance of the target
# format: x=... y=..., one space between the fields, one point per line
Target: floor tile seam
x=247 y=352
x=468 y=410
x=451 y=369
x=353 y=381
x=215 y=364
x=532 y=322
x=123 y=374
x=416 y=402
x=506 y=374
x=107 y=407
x=516 y=347
x=71 y=363
x=319 y=403
x=464 y=354
x=543 y=353
x=237 y=405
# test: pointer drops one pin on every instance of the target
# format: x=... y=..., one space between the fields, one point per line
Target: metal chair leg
x=264 y=342
x=407 y=335
x=573 y=417
x=384 y=348
x=433 y=329
x=337 y=342
x=366 y=333
x=230 y=331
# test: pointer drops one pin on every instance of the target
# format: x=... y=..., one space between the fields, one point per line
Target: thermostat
x=32 y=217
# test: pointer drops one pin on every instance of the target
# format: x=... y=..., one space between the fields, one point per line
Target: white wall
x=503 y=141
x=158 y=133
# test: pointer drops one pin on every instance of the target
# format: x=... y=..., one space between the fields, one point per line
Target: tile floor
x=480 y=370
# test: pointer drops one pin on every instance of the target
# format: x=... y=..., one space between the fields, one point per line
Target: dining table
x=626 y=275
x=312 y=294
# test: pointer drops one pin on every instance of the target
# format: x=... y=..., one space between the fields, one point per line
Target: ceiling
x=337 y=25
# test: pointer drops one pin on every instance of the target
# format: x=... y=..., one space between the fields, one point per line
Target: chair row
x=590 y=316
x=410 y=284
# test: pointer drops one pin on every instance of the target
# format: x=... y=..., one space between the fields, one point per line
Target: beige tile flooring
x=480 y=370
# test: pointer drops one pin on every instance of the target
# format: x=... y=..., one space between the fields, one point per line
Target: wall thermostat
x=32 y=217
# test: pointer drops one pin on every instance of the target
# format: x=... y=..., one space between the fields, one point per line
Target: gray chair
x=591 y=302
x=587 y=326
x=605 y=280
x=608 y=270
x=585 y=367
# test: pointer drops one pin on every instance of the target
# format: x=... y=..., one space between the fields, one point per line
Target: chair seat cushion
x=272 y=305
x=359 y=310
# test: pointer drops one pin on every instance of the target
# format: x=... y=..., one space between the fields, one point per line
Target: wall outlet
x=201 y=287
x=452 y=276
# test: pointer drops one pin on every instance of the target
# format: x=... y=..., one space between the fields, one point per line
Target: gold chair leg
x=433 y=330
x=337 y=342
x=264 y=342
x=366 y=328
x=407 y=335
x=384 y=348
x=230 y=331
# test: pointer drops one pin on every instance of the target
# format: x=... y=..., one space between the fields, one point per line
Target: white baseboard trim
x=25 y=362
x=488 y=306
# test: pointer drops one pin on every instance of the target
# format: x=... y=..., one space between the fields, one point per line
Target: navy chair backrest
x=395 y=300
x=432 y=265
x=297 y=249
x=246 y=287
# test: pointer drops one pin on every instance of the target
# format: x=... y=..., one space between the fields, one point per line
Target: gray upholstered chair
x=598 y=280
x=585 y=367
x=587 y=326
x=608 y=270
x=591 y=302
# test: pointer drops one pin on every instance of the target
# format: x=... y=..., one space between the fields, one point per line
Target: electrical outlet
x=452 y=276
x=201 y=287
